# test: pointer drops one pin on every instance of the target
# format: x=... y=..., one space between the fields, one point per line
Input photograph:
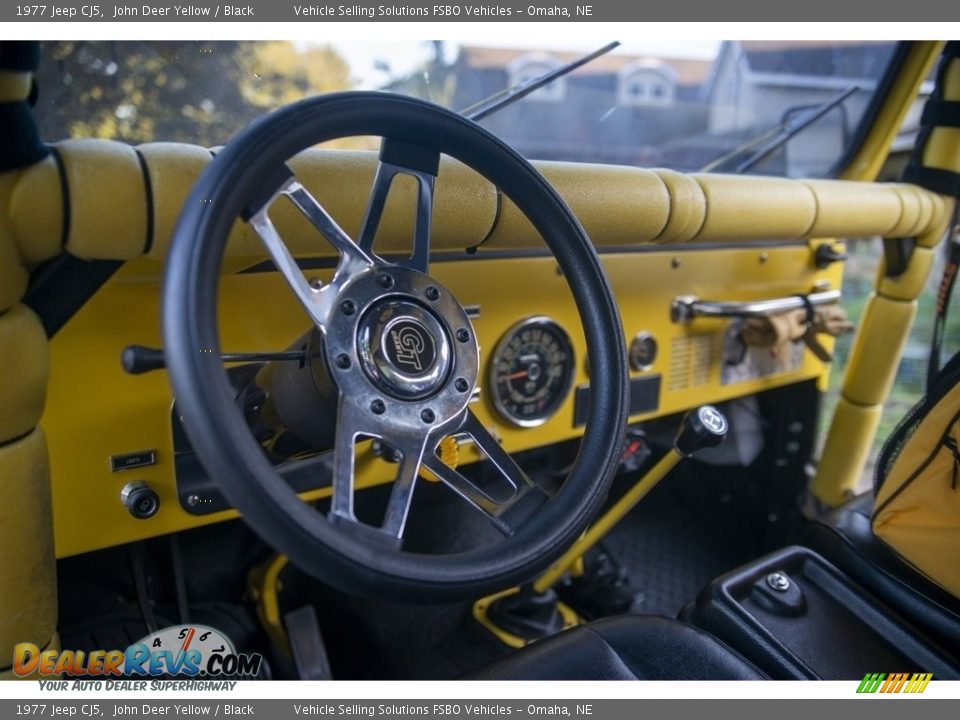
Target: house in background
x=673 y=112
x=756 y=85
x=617 y=109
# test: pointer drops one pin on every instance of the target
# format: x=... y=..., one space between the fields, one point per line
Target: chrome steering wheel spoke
x=317 y=300
x=506 y=510
x=413 y=444
x=398 y=158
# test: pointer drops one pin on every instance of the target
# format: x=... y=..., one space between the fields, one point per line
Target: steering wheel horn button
x=404 y=349
x=410 y=347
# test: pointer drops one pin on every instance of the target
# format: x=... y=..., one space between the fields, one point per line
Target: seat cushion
x=628 y=647
x=844 y=537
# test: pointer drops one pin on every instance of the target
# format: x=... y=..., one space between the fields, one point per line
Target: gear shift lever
x=511 y=614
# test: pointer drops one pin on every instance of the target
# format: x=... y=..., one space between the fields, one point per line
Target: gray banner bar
x=920 y=709
x=447 y=11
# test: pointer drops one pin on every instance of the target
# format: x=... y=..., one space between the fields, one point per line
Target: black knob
x=701 y=428
x=137 y=359
x=826 y=255
x=140 y=499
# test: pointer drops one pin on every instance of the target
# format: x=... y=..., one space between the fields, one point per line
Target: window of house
x=532 y=66
x=646 y=84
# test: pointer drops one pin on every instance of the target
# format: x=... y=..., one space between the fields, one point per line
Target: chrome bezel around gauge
x=562 y=394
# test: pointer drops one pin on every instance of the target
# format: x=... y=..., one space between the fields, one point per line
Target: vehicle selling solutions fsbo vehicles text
x=440 y=10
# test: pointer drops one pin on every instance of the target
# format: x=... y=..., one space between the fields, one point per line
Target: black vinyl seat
x=844 y=536
x=627 y=647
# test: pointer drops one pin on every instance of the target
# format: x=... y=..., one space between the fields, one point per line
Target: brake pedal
x=306 y=644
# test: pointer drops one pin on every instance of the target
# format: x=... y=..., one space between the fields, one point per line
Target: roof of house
x=689 y=71
x=848 y=59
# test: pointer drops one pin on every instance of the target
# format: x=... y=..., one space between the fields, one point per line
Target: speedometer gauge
x=531 y=371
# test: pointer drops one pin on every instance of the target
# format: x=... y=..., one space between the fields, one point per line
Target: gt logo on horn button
x=410 y=346
x=404 y=349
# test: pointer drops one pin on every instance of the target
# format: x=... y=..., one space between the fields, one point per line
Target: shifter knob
x=702 y=427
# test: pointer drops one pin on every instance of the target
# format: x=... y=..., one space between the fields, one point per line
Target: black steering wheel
x=398 y=347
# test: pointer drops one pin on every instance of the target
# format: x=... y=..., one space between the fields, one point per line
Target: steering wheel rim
x=233 y=185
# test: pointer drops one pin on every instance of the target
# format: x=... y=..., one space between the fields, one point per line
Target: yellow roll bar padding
x=28 y=577
x=911 y=282
x=108 y=200
x=879 y=341
x=24 y=368
x=36 y=212
x=882 y=332
x=605 y=522
x=112 y=190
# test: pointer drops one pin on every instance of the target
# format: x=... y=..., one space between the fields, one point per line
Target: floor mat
x=671 y=551
x=670 y=545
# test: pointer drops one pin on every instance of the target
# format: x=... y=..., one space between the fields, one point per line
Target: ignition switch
x=140 y=500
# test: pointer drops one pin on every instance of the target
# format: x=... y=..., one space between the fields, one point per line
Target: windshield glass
x=686 y=106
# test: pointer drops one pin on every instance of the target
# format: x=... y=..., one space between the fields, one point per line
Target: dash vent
x=691 y=357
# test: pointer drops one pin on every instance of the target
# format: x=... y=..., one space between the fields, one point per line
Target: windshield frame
x=877 y=102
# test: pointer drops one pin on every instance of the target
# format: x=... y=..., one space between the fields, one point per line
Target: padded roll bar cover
x=24 y=368
x=172 y=169
x=13 y=276
x=789 y=207
x=465 y=205
x=848 y=443
x=688 y=207
x=36 y=211
x=911 y=282
x=28 y=580
x=617 y=206
x=844 y=207
x=881 y=335
x=108 y=200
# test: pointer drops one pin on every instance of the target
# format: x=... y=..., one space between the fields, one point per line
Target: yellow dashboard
x=96 y=412
x=662 y=235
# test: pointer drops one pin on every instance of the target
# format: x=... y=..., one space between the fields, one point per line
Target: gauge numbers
x=531 y=371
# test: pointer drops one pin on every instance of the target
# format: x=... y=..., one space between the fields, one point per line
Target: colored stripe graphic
x=871 y=682
x=894 y=683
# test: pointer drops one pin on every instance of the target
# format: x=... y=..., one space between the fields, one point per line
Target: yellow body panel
x=95 y=410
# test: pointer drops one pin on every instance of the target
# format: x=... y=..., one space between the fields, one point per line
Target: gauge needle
x=515 y=376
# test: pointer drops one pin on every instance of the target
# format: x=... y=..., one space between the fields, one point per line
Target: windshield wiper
x=769 y=140
x=508 y=96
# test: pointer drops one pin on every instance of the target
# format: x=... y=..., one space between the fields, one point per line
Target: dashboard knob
x=827 y=254
x=702 y=427
x=140 y=500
